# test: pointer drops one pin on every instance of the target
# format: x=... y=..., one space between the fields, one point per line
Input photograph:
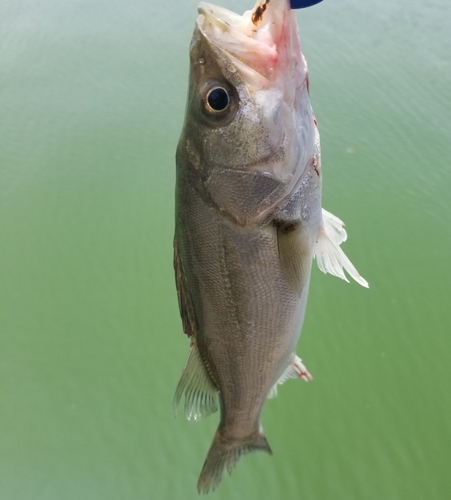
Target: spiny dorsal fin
x=329 y=256
x=201 y=396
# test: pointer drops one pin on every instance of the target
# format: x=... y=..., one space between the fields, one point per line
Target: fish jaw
x=263 y=42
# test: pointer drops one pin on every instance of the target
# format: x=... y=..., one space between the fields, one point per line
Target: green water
x=92 y=96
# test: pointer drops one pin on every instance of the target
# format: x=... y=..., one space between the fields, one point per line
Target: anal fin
x=296 y=369
x=329 y=256
x=201 y=396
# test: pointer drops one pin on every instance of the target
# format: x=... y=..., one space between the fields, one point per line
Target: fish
x=248 y=222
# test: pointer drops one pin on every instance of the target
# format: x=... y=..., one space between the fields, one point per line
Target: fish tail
x=224 y=454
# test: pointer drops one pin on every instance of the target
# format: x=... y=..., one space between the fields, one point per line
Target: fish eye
x=217 y=99
x=218 y=102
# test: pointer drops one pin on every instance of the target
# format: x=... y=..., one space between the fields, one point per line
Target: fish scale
x=249 y=222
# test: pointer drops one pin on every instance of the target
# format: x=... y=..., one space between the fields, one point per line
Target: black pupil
x=218 y=99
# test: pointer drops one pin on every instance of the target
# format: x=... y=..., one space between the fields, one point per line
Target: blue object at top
x=301 y=4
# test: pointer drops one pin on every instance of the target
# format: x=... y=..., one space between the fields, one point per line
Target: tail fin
x=225 y=454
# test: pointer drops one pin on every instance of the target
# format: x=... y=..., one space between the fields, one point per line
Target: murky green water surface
x=92 y=97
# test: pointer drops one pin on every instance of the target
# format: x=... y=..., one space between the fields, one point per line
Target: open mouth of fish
x=264 y=39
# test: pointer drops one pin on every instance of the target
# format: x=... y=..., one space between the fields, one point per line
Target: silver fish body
x=248 y=221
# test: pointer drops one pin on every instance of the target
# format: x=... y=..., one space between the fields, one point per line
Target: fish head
x=248 y=109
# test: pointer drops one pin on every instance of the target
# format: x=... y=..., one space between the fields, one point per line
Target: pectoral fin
x=294 y=255
x=201 y=396
x=296 y=369
x=329 y=256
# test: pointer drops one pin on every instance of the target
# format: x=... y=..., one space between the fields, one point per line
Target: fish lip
x=211 y=13
x=279 y=12
x=264 y=45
